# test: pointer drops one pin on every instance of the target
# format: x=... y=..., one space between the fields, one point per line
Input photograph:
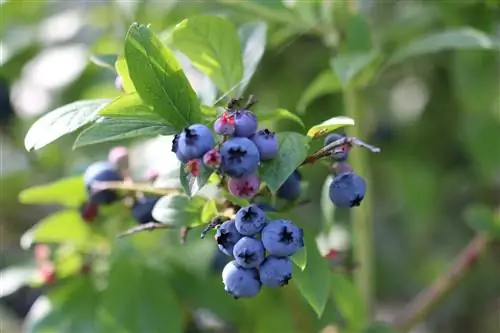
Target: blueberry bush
x=209 y=240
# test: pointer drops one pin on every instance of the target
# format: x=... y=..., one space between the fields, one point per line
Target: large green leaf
x=213 y=45
x=122 y=70
x=64 y=226
x=278 y=114
x=179 y=210
x=112 y=129
x=325 y=83
x=356 y=69
x=314 y=282
x=254 y=38
x=349 y=302
x=61 y=121
x=330 y=125
x=300 y=258
x=159 y=79
x=105 y=60
x=57 y=193
x=139 y=298
x=129 y=105
x=292 y=152
x=459 y=38
x=192 y=185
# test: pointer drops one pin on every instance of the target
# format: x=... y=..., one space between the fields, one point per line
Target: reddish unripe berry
x=246 y=187
x=212 y=158
x=193 y=167
x=42 y=253
x=119 y=158
x=48 y=273
x=224 y=125
x=89 y=211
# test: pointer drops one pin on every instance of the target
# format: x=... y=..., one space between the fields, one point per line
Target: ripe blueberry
x=290 y=190
x=193 y=142
x=249 y=252
x=246 y=187
x=227 y=236
x=101 y=172
x=340 y=153
x=347 y=190
x=142 y=210
x=240 y=282
x=267 y=143
x=240 y=157
x=225 y=124
x=282 y=238
x=275 y=272
x=212 y=158
x=250 y=220
x=245 y=123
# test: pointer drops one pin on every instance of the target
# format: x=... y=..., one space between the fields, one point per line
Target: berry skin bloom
x=246 y=187
x=240 y=282
x=240 y=157
x=347 y=190
x=267 y=143
x=341 y=153
x=282 y=238
x=250 y=220
x=290 y=190
x=275 y=272
x=142 y=210
x=193 y=142
x=101 y=172
x=245 y=123
x=212 y=158
x=224 y=125
x=249 y=252
x=227 y=236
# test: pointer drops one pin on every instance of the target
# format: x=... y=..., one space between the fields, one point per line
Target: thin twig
x=150 y=226
x=137 y=187
x=424 y=302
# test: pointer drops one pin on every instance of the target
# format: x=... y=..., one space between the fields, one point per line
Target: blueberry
x=340 y=153
x=245 y=123
x=246 y=187
x=212 y=158
x=240 y=282
x=193 y=142
x=101 y=172
x=249 y=252
x=250 y=220
x=224 y=125
x=275 y=272
x=282 y=238
x=267 y=143
x=290 y=190
x=142 y=210
x=347 y=190
x=227 y=236
x=240 y=157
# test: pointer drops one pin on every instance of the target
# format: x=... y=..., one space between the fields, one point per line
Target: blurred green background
x=436 y=118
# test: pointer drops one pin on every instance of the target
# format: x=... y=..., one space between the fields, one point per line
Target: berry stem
x=360 y=217
x=425 y=302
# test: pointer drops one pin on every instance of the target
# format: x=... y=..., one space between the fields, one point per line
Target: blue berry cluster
x=248 y=238
x=347 y=189
x=238 y=153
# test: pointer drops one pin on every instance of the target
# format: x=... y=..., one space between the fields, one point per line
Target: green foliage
x=180 y=210
x=329 y=125
x=349 y=302
x=57 y=193
x=325 y=83
x=105 y=61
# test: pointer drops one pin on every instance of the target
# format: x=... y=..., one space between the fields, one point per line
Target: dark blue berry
x=282 y=238
x=240 y=282
x=290 y=190
x=347 y=190
x=275 y=272
x=245 y=123
x=193 y=142
x=143 y=208
x=101 y=172
x=250 y=220
x=240 y=157
x=267 y=143
x=227 y=236
x=249 y=252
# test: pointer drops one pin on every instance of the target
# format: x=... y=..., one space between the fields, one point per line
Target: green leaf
x=314 y=282
x=349 y=302
x=64 y=226
x=129 y=105
x=359 y=37
x=254 y=38
x=292 y=152
x=112 y=129
x=280 y=114
x=213 y=45
x=139 y=298
x=159 y=79
x=482 y=218
x=379 y=328
x=105 y=60
x=209 y=211
x=62 y=121
x=324 y=84
x=351 y=66
x=327 y=208
x=234 y=199
x=192 y=185
x=57 y=193
x=459 y=38
x=300 y=258
x=122 y=70
x=179 y=210
x=330 y=125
